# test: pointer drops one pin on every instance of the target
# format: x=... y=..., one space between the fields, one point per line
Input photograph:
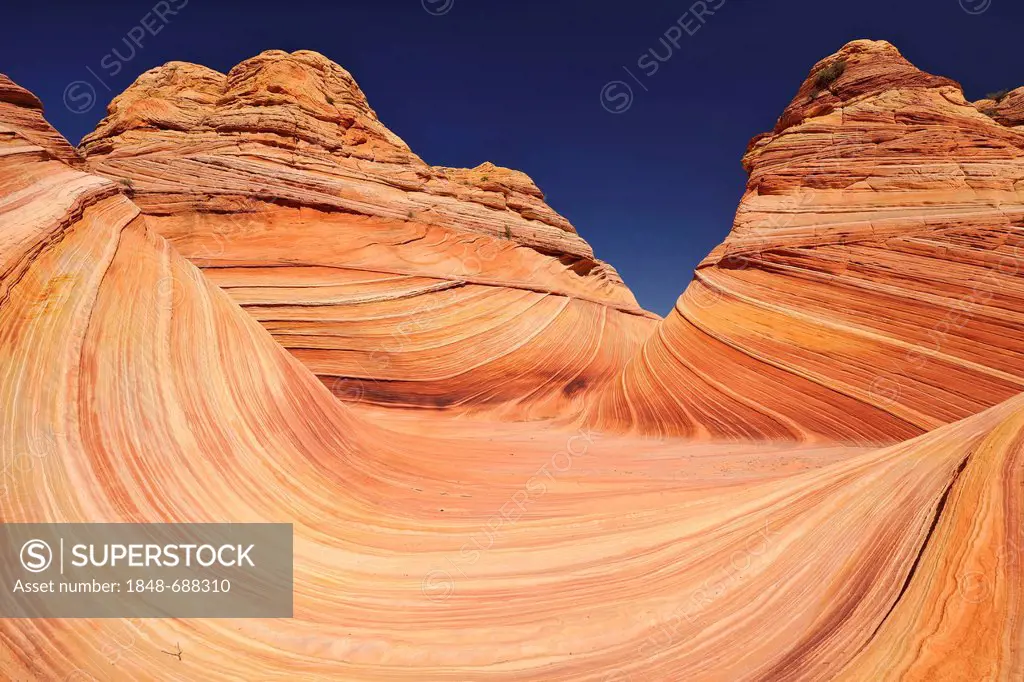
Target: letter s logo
x=36 y=556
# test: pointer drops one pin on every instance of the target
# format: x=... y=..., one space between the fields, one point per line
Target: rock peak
x=1007 y=108
x=285 y=130
x=22 y=116
x=858 y=69
x=306 y=112
x=305 y=78
x=301 y=95
x=867 y=45
x=12 y=93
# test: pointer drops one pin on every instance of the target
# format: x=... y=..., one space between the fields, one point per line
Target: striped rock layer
x=872 y=286
x=134 y=388
x=394 y=281
x=398 y=283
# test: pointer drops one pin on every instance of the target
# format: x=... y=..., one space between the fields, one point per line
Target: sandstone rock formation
x=395 y=281
x=23 y=121
x=1008 y=109
x=403 y=284
x=135 y=389
x=872 y=287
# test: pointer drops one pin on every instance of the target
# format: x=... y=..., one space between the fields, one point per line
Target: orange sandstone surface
x=392 y=280
x=872 y=286
x=244 y=299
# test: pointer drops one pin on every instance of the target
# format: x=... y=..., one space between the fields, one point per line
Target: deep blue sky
x=653 y=189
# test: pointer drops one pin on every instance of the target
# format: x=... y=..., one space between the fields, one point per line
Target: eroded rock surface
x=393 y=280
x=429 y=546
x=872 y=286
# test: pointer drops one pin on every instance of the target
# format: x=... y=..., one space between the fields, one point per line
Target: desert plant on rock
x=829 y=75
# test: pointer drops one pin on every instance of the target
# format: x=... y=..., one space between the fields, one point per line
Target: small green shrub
x=330 y=100
x=508 y=233
x=998 y=95
x=829 y=75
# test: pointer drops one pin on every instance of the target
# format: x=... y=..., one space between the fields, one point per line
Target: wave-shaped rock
x=433 y=547
x=393 y=280
x=405 y=284
x=871 y=288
